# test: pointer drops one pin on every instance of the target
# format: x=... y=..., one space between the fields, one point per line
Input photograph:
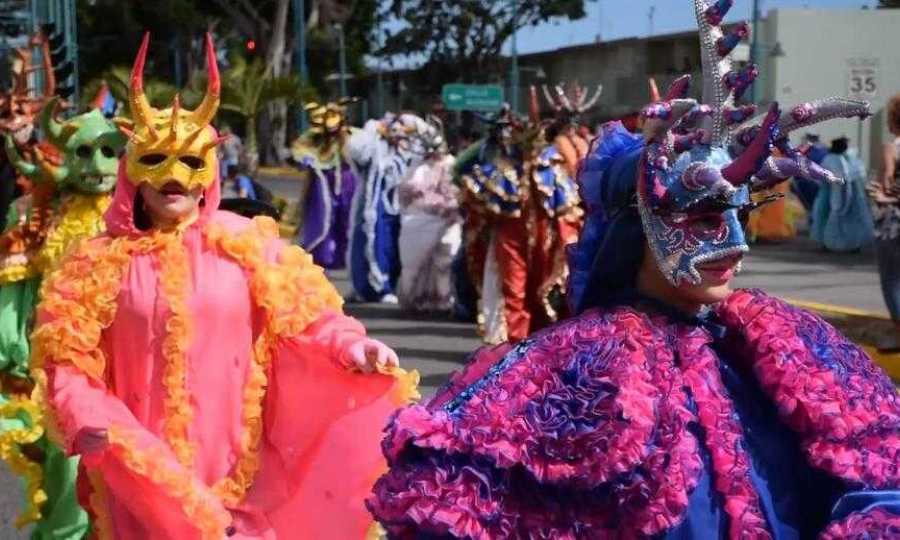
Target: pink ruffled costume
x=212 y=357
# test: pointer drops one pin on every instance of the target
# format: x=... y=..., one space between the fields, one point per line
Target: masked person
x=18 y=109
x=383 y=151
x=202 y=369
x=430 y=227
x=564 y=131
x=841 y=218
x=73 y=174
x=321 y=154
x=521 y=209
x=670 y=406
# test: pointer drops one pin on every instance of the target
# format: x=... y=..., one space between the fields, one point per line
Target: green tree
x=248 y=87
x=889 y=3
x=110 y=32
x=463 y=40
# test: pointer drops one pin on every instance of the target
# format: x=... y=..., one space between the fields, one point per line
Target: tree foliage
x=463 y=40
x=110 y=32
x=889 y=3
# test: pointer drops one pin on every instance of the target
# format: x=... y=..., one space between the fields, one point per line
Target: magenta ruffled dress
x=758 y=421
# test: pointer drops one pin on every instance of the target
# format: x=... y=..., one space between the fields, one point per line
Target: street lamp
x=754 y=43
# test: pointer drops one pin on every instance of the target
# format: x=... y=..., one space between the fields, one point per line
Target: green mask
x=89 y=146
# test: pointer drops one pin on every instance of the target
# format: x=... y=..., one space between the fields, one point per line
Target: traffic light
x=251 y=45
x=63 y=68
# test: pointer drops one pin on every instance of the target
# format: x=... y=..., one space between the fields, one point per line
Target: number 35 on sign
x=862 y=80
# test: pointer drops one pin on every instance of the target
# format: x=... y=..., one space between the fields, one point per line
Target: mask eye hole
x=707 y=221
x=83 y=151
x=107 y=152
x=152 y=159
x=192 y=161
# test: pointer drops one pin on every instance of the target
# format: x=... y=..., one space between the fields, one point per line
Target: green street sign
x=472 y=97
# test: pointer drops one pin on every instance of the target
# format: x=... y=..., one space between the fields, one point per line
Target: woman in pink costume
x=202 y=369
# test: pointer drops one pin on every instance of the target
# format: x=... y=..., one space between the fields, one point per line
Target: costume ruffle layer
x=583 y=430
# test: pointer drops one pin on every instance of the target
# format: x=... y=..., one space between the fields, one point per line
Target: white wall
x=818 y=46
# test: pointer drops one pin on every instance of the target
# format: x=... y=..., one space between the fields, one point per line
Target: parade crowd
x=174 y=370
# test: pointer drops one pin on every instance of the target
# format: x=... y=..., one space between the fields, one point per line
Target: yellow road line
x=834 y=308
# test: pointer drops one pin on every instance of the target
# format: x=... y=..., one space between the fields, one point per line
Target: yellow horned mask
x=172 y=144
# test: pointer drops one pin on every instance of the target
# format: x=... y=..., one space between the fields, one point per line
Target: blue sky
x=616 y=19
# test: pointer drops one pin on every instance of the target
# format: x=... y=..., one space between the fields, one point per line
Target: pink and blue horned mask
x=702 y=160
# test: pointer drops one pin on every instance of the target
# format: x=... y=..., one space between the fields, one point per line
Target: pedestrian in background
x=841 y=219
x=242 y=185
x=231 y=150
x=886 y=211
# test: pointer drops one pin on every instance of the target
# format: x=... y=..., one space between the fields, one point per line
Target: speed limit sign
x=862 y=78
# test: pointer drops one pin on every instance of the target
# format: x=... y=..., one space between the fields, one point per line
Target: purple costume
x=327 y=213
x=319 y=152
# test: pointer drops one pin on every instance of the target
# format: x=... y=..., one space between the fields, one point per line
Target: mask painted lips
x=173 y=189
x=720 y=270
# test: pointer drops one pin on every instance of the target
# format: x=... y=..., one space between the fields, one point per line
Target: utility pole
x=599 y=21
x=651 y=13
x=514 y=75
x=300 y=52
x=342 y=59
x=754 y=47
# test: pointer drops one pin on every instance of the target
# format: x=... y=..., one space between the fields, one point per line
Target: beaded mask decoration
x=702 y=160
x=172 y=145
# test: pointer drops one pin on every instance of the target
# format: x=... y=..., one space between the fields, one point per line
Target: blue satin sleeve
x=865 y=501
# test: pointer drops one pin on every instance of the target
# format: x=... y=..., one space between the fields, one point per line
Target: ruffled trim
x=492 y=193
x=233 y=487
x=559 y=193
x=79 y=301
x=174 y=283
x=548 y=406
x=406 y=388
x=844 y=407
x=723 y=434
x=293 y=291
x=875 y=523
x=11 y=442
x=102 y=522
x=202 y=511
x=17 y=268
x=81 y=216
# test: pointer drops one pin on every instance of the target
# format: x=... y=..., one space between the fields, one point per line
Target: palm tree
x=248 y=87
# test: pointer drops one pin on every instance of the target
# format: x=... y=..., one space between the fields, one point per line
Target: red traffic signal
x=251 y=45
